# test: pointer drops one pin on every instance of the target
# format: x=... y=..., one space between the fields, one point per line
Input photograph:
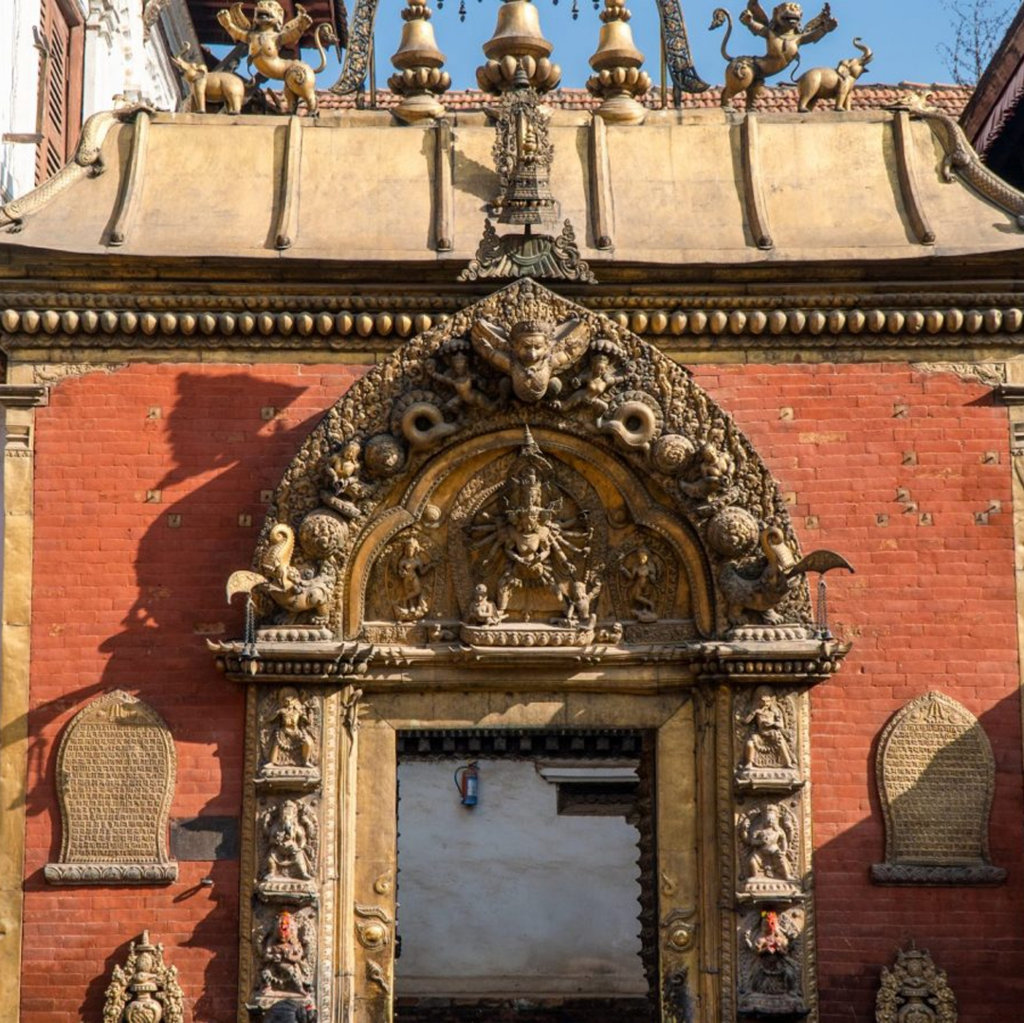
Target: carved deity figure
x=291 y=841
x=461 y=382
x=531 y=353
x=775 y=971
x=291 y=737
x=592 y=384
x=286 y=955
x=267 y=34
x=642 y=576
x=483 y=610
x=769 y=835
x=411 y=568
x=766 y=736
x=346 y=491
x=580 y=601
x=783 y=34
x=715 y=467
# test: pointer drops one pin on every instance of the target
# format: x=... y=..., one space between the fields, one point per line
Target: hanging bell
x=517 y=33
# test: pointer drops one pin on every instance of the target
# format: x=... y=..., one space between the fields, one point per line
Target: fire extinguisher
x=467 y=781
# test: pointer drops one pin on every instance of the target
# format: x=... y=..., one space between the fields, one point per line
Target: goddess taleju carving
x=346 y=491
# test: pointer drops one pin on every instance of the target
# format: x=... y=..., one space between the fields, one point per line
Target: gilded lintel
x=600 y=184
x=910 y=188
x=444 y=188
x=753 y=188
x=288 y=210
x=128 y=200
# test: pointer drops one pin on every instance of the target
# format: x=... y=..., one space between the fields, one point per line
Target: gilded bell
x=517 y=33
x=615 y=46
x=418 y=47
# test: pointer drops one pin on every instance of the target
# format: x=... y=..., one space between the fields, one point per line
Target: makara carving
x=783 y=34
x=914 y=990
x=267 y=35
x=145 y=989
x=115 y=780
x=936 y=777
x=825 y=83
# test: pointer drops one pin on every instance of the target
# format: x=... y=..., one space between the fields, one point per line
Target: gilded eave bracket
x=601 y=210
x=910 y=187
x=128 y=200
x=753 y=183
x=291 y=171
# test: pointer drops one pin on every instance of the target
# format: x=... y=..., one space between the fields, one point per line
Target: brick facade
x=149 y=491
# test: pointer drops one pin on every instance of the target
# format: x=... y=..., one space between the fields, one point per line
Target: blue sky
x=905 y=35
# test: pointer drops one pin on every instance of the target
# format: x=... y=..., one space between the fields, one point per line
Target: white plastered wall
x=509 y=899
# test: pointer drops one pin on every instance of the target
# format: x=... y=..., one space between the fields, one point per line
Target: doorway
x=525 y=863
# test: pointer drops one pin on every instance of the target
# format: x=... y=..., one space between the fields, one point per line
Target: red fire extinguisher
x=467 y=781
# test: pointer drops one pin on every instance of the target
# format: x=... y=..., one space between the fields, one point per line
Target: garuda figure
x=267 y=34
x=783 y=34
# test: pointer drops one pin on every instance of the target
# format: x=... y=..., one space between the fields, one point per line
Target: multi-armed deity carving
x=267 y=35
x=529 y=536
x=784 y=33
x=766 y=730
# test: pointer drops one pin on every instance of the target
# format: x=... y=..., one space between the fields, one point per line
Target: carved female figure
x=291 y=739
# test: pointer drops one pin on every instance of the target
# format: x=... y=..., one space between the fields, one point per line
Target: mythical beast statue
x=836 y=83
x=783 y=33
x=267 y=34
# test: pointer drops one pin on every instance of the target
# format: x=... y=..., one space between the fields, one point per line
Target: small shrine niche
x=936 y=777
x=115 y=781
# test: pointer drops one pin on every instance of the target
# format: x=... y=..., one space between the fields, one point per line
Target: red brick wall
x=932 y=606
x=122 y=599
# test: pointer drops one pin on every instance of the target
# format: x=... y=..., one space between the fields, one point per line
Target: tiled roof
x=950 y=99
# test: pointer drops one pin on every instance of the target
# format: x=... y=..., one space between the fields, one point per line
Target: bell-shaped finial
x=517 y=52
x=619 y=81
x=420 y=79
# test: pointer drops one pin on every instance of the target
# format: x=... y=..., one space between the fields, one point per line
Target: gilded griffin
x=783 y=34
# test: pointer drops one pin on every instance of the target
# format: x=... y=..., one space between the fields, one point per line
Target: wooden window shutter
x=60 y=85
